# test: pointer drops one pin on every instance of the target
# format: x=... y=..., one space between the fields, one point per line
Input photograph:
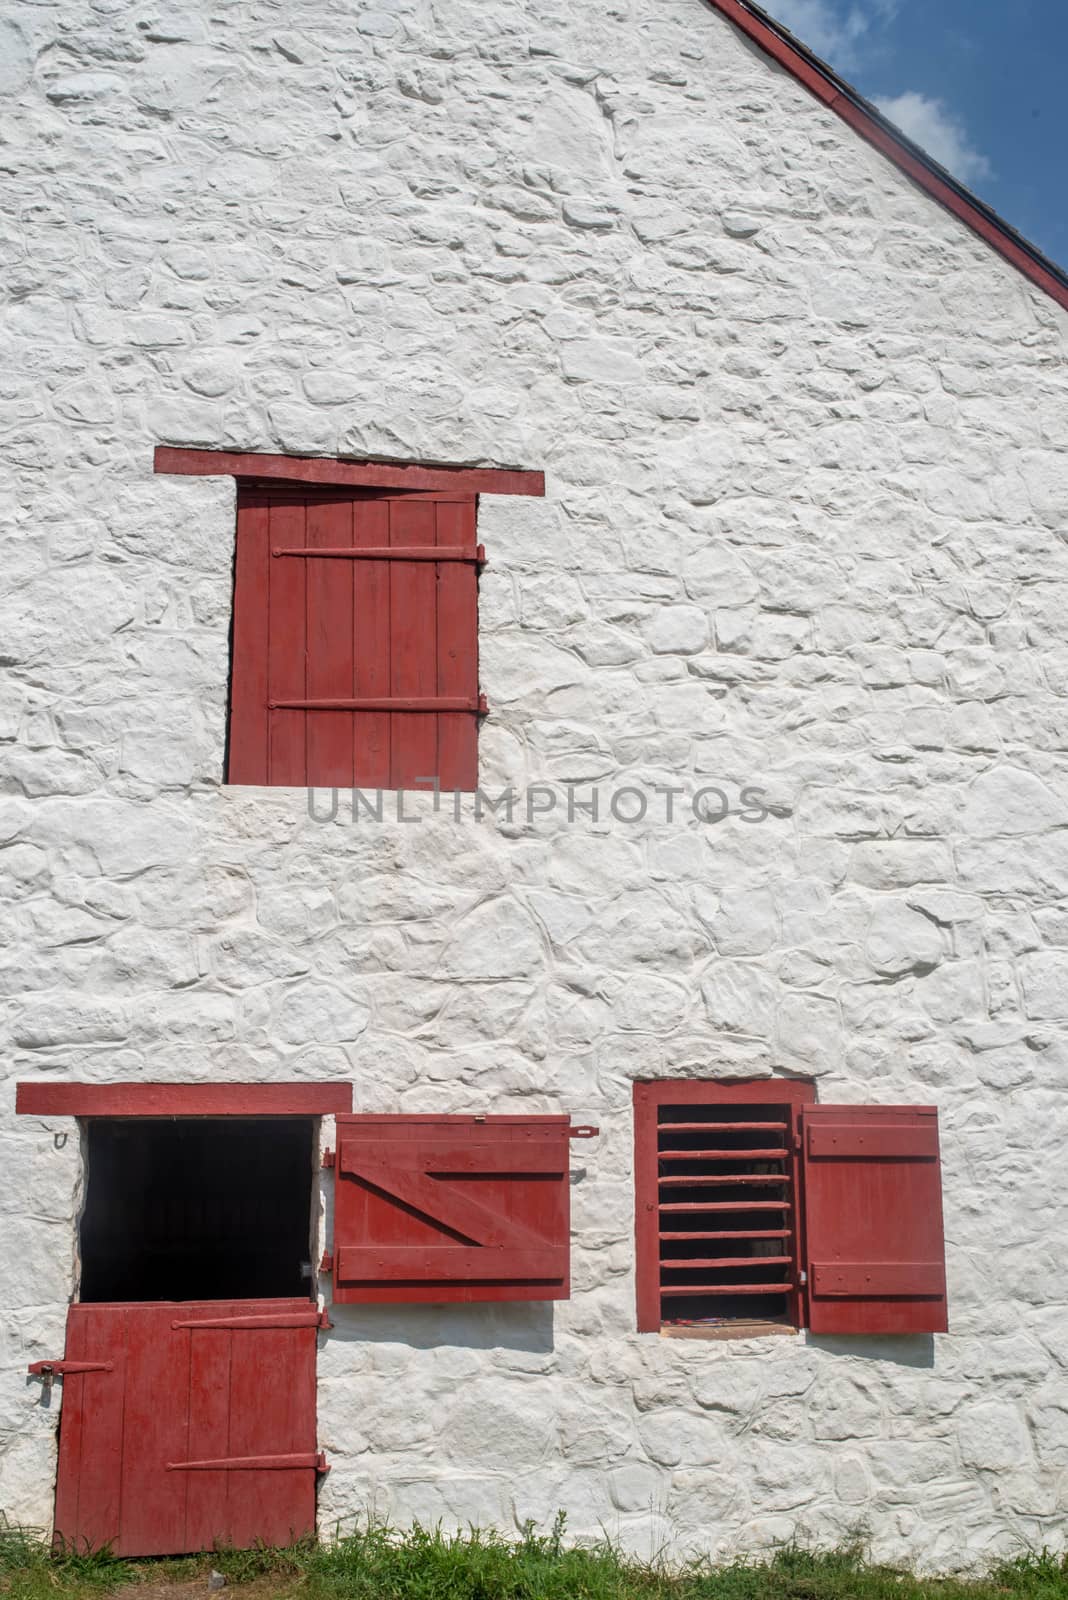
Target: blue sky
x=979 y=83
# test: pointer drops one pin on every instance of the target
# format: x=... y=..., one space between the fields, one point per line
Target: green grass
x=376 y=1563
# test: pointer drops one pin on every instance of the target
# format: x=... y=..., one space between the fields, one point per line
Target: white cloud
x=933 y=126
x=834 y=30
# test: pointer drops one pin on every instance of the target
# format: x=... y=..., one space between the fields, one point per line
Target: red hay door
x=202 y=1432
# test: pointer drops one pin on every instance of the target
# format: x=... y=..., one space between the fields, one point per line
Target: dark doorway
x=197 y=1209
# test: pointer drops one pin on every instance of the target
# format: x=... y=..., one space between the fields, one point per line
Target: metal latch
x=585 y=1130
x=48 y=1371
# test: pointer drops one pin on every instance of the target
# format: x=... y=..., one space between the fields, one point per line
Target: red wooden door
x=199 y=1431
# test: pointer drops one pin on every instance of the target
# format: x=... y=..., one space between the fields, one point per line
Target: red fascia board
x=831 y=93
x=352 y=474
x=182 y=1099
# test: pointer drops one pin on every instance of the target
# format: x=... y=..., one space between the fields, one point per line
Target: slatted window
x=717 y=1217
x=758 y=1210
x=355 y=640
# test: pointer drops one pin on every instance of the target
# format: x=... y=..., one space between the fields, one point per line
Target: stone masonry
x=805 y=529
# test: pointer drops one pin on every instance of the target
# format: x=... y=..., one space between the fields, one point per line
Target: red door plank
x=207 y=1509
x=413 y=646
x=287 y=636
x=371 y=617
x=330 y=644
x=71 y=1435
x=457 y=647
x=248 y=696
x=155 y=1431
x=272 y=1412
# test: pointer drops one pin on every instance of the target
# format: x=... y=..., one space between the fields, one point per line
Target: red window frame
x=648 y=1099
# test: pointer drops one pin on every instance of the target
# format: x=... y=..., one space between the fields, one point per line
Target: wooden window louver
x=720 y=1236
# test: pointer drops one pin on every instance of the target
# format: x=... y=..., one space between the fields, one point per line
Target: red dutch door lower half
x=187 y=1426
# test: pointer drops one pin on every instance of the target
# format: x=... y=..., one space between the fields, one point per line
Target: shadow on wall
x=523 y=1325
x=906 y=1350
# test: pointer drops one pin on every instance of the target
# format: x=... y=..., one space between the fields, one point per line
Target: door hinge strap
x=284 y=1319
x=475 y=553
x=421 y=703
x=61 y=1369
x=312 y=1459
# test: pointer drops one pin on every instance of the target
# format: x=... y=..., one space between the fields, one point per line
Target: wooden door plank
x=287 y=633
x=248 y=754
x=207 y=1507
x=330 y=672
x=155 y=1432
x=457 y=648
x=371 y=619
x=413 y=646
x=272 y=1412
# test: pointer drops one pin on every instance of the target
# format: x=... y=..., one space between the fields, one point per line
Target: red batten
x=828 y=88
x=355 y=474
x=182 y=1099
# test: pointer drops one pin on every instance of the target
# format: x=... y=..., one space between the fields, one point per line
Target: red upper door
x=452 y=1208
x=196 y=1429
x=873 y=1219
x=355 y=648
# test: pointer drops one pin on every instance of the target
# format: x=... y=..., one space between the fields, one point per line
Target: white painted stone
x=803 y=530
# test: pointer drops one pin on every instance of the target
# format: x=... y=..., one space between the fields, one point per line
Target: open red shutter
x=873 y=1219
x=451 y=1208
x=355 y=657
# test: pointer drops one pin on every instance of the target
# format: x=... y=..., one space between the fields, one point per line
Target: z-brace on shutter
x=355 y=641
x=451 y=1208
x=873 y=1219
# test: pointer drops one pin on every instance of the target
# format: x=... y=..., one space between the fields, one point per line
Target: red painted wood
x=917 y=1142
x=650 y=1133
x=155 y=1430
x=248 y=728
x=272 y=1412
x=207 y=1520
x=182 y=1099
x=872 y=1212
x=413 y=647
x=457 y=594
x=287 y=643
x=204 y=1391
x=447 y=1208
x=371 y=612
x=331 y=662
x=365 y=474
x=336 y=658
x=829 y=91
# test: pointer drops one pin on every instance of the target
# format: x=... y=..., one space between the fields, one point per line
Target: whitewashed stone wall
x=805 y=528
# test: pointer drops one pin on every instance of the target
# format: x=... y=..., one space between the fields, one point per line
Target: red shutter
x=873 y=1219
x=351 y=667
x=451 y=1208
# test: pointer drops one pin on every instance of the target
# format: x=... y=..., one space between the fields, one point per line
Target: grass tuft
x=376 y=1562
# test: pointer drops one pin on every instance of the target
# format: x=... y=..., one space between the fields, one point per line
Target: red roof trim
x=182 y=1099
x=353 y=474
x=865 y=120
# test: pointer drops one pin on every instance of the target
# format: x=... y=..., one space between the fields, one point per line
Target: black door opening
x=197 y=1209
